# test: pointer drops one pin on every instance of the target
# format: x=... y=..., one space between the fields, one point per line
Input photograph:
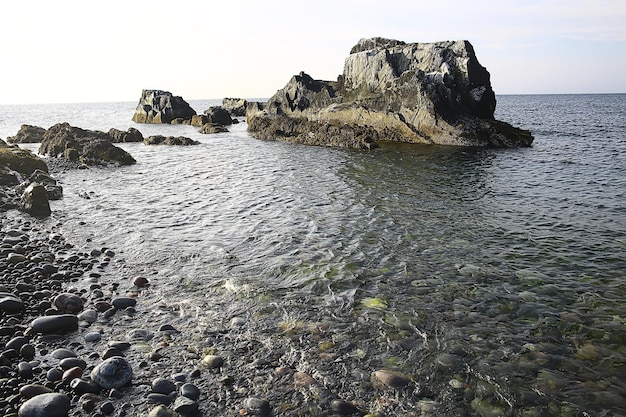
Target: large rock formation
x=28 y=134
x=436 y=93
x=91 y=147
x=156 y=106
x=235 y=106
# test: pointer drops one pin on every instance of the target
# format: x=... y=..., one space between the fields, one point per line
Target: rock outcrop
x=218 y=115
x=434 y=93
x=91 y=147
x=28 y=134
x=235 y=106
x=157 y=106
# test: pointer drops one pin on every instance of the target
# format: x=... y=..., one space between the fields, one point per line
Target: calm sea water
x=494 y=278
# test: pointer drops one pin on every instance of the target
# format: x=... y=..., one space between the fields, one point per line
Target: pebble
x=54 y=375
x=140 y=335
x=141 y=281
x=213 y=361
x=80 y=386
x=25 y=370
x=16 y=343
x=121 y=303
x=30 y=390
x=257 y=406
x=27 y=351
x=10 y=304
x=156 y=398
x=186 y=406
x=384 y=379
x=71 y=362
x=54 y=324
x=161 y=411
x=46 y=405
x=190 y=391
x=71 y=374
x=114 y=372
x=89 y=315
x=163 y=386
x=343 y=408
x=92 y=337
x=107 y=408
x=111 y=352
x=63 y=353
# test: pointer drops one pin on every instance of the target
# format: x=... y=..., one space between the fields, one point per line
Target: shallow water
x=493 y=278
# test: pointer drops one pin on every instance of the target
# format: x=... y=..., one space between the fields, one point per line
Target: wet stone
x=185 y=406
x=190 y=391
x=124 y=302
x=46 y=405
x=343 y=408
x=55 y=324
x=114 y=372
x=16 y=343
x=25 y=370
x=11 y=304
x=163 y=386
x=30 y=390
x=72 y=362
x=384 y=380
x=80 y=386
x=257 y=406
x=54 y=375
x=27 y=351
x=63 y=353
x=156 y=398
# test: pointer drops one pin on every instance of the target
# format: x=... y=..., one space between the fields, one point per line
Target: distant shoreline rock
x=432 y=93
x=158 y=106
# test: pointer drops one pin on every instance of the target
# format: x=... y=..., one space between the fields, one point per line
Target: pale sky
x=66 y=51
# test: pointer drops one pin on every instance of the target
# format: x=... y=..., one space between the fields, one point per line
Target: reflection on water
x=494 y=278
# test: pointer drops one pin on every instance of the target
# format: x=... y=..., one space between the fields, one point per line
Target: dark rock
x=119 y=136
x=31 y=390
x=46 y=405
x=163 y=386
x=114 y=372
x=169 y=140
x=190 y=391
x=185 y=406
x=157 y=106
x=156 y=398
x=343 y=408
x=107 y=408
x=63 y=353
x=257 y=406
x=55 y=324
x=21 y=160
x=69 y=363
x=80 y=386
x=68 y=303
x=199 y=119
x=218 y=115
x=35 y=200
x=123 y=302
x=10 y=304
x=92 y=147
x=28 y=134
x=384 y=380
x=435 y=93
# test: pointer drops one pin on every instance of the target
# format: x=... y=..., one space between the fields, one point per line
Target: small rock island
x=432 y=93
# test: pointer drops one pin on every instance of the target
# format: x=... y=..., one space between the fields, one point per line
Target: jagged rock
x=54 y=191
x=235 y=106
x=28 y=134
x=218 y=115
x=436 y=93
x=92 y=147
x=157 y=106
x=209 y=128
x=131 y=135
x=169 y=140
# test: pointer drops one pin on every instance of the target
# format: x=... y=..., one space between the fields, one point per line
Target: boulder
x=434 y=93
x=169 y=140
x=235 y=106
x=199 y=120
x=35 y=200
x=21 y=161
x=91 y=147
x=157 y=106
x=28 y=134
x=131 y=135
x=218 y=115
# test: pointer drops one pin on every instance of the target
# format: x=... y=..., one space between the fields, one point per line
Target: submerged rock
x=119 y=136
x=157 y=106
x=169 y=140
x=434 y=93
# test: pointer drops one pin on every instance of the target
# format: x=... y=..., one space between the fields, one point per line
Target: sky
x=67 y=51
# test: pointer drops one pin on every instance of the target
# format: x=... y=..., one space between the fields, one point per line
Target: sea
x=495 y=279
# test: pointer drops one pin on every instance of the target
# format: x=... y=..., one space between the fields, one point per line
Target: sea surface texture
x=495 y=279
